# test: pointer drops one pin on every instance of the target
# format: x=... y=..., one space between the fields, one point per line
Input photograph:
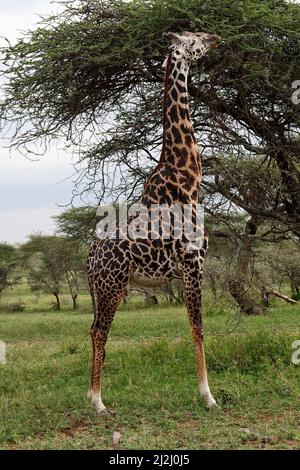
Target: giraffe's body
x=139 y=255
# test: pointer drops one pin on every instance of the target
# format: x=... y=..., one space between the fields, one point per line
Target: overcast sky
x=30 y=192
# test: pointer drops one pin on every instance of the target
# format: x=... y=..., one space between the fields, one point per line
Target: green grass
x=149 y=382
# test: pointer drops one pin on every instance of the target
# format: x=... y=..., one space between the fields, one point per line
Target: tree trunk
x=265 y=295
x=57 y=301
x=151 y=299
x=74 y=300
x=169 y=293
x=294 y=287
x=180 y=293
x=73 y=286
x=238 y=281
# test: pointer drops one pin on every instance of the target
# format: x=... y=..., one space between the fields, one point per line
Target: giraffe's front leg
x=197 y=332
x=192 y=278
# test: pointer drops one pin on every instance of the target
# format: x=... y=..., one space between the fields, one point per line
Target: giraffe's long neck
x=179 y=143
x=177 y=176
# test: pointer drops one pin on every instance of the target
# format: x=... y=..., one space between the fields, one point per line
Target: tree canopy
x=50 y=261
x=9 y=257
x=92 y=74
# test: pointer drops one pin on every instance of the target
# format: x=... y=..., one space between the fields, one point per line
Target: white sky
x=30 y=192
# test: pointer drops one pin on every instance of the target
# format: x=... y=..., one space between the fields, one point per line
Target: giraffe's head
x=192 y=46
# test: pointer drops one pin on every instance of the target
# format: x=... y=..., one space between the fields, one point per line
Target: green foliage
x=52 y=260
x=78 y=224
x=9 y=256
x=251 y=353
x=47 y=270
x=69 y=65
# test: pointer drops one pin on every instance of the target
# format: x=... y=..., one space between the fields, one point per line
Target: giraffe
x=117 y=261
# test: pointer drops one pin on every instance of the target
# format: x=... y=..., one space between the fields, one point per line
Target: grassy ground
x=150 y=382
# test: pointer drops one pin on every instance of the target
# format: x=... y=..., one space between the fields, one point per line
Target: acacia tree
x=73 y=262
x=45 y=269
x=9 y=260
x=92 y=75
x=52 y=261
x=78 y=224
x=283 y=264
x=96 y=67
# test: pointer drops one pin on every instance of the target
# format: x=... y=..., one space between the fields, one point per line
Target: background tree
x=73 y=261
x=46 y=268
x=280 y=266
x=9 y=259
x=78 y=224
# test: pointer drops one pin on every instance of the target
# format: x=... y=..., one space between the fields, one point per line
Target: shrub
x=13 y=308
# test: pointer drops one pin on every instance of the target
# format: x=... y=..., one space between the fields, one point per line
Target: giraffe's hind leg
x=192 y=280
x=105 y=307
x=99 y=333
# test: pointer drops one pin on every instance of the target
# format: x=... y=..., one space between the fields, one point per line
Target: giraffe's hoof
x=97 y=403
x=212 y=404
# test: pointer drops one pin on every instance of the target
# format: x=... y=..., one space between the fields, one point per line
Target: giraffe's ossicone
x=166 y=238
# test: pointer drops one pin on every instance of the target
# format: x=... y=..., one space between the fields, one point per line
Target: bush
x=249 y=353
x=13 y=308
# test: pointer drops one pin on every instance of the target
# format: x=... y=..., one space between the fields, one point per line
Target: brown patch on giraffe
x=174 y=94
x=174 y=113
x=188 y=140
x=168 y=124
x=170 y=157
x=185 y=129
x=176 y=134
x=187 y=182
x=183 y=112
x=173 y=188
x=194 y=163
x=180 y=152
